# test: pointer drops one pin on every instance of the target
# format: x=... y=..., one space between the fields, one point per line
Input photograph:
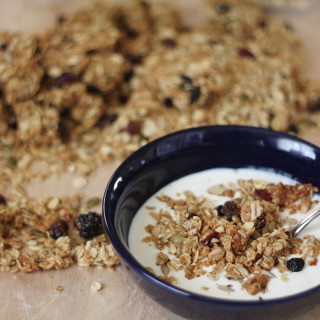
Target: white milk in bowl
x=222 y=233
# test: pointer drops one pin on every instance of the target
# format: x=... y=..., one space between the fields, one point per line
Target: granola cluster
x=245 y=237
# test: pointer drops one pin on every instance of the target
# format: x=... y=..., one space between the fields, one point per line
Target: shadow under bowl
x=179 y=154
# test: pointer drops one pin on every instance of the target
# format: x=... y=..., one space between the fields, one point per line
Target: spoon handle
x=304 y=222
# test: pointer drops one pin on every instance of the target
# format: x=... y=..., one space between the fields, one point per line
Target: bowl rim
x=128 y=257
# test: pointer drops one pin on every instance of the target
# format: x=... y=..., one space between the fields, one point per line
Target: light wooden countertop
x=33 y=296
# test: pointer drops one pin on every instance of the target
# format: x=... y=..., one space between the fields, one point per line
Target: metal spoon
x=304 y=222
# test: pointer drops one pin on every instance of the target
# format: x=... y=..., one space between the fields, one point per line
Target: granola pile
x=104 y=81
x=245 y=237
x=107 y=79
x=32 y=236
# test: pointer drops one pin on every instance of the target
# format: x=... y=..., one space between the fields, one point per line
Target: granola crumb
x=59 y=289
x=96 y=286
x=284 y=277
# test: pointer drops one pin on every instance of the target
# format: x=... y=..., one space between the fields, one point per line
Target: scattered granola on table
x=107 y=79
x=245 y=237
x=37 y=234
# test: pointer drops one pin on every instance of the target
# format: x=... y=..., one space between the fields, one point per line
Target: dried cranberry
x=63 y=132
x=207 y=241
x=222 y=8
x=314 y=106
x=60 y=229
x=169 y=43
x=194 y=94
x=167 y=102
x=3 y=200
x=89 y=225
x=106 y=120
x=134 y=127
x=229 y=209
x=262 y=194
x=66 y=78
x=245 y=53
x=260 y=222
x=295 y=264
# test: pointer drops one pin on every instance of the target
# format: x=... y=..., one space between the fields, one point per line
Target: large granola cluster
x=244 y=236
x=107 y=79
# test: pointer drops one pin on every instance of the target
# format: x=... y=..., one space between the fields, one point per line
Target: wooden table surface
x=33 y=296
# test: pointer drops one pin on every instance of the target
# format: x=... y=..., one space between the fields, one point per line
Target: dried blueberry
x=167 y=102
x=294 y=128
x=4 y=46
x=66 y=78
x=63 y=132
x=295 y=264
x=61 y=18
x=93 y=89
x=123 y=99
x=229 y=209
x=89 y=225
x=260 y=222
x=186 y=79
x=219 y=209
x=11 y=118
x=128 y=75
x=222 y=8
x=262 y=24
x=59 y=229
x=194 y=94
x=3 y=199
x=191 y=215
x=136 y=59
x=169 y=43
x=131 y=33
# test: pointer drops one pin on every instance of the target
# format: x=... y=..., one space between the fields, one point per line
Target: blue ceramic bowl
x=184 y=152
